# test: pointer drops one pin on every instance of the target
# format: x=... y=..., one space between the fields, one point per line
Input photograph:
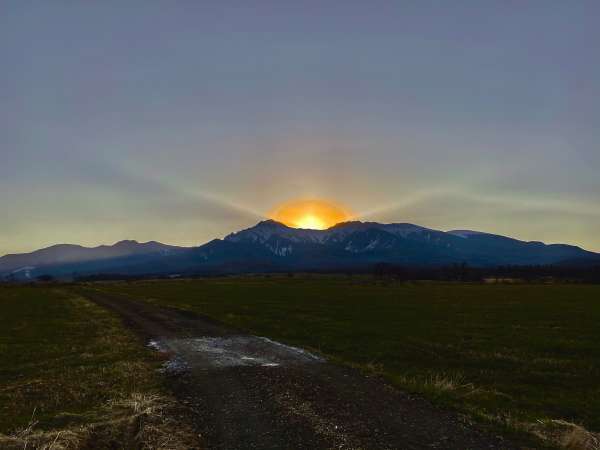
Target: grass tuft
x=142 y=421
x=567 y=434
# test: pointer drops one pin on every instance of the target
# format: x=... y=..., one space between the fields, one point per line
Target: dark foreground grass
x=517 y=354
x=71 y=375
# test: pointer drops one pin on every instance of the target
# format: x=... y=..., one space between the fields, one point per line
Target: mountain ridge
x=273 y=246
x=72 y=253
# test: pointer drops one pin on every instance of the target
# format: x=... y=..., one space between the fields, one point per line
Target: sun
x=311 y=221
x=310 y=213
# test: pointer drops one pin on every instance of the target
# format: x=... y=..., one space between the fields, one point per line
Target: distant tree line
x=465 y=273
x=454 y=272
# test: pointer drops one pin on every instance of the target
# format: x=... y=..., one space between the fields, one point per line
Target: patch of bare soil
x=247 y=392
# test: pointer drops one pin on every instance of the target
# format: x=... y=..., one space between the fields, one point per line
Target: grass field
x=521 y=355
x=71 y=375
x=524 y=356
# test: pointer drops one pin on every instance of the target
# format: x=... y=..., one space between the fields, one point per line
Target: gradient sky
x=181 y=121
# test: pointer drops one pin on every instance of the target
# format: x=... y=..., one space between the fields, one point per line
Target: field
x=523 y=356
x=71 y=375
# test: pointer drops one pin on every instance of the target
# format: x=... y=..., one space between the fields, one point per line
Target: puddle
x=175 y=364
x=155 y=345
x=231 y=351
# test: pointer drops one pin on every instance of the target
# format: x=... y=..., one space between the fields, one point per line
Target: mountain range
x=271 y=246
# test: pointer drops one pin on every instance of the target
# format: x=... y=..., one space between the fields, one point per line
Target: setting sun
x=313 y=214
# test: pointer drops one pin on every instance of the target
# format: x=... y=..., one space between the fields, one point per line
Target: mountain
x=51 y=258
x=403 y=243
x=271 y=246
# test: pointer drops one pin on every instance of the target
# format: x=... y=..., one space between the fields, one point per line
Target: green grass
x=64 y=358
x=517 y=352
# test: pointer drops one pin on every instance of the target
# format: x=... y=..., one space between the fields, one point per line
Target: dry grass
x=437 y=385
x=89 y=382
x=566 y=434
x=141 y=421
x=441 y=383
x=552 y=432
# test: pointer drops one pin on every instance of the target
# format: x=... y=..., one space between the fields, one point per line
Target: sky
x=183 y=121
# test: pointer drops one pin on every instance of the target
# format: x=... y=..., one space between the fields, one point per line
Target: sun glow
x=311 y=222
x=313 y=214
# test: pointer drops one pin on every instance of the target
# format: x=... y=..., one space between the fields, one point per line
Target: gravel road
x=249 y=392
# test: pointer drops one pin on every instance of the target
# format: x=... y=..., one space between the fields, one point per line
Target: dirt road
x=246 y=392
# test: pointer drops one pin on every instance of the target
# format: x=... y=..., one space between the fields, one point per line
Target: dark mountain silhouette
x=272 y=246
x=68 y=254
x=403 y=243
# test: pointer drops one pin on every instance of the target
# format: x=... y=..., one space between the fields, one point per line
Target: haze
x=184 y=121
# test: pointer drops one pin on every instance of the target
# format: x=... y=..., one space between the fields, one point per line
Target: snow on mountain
x=273 y=246
x=266 y=229
x=25 y=271
x=465 y=233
